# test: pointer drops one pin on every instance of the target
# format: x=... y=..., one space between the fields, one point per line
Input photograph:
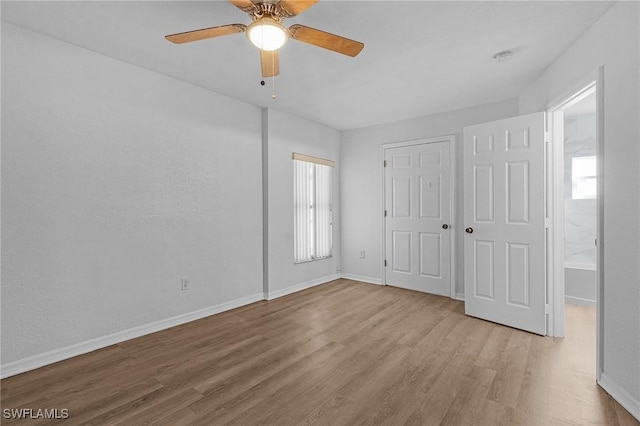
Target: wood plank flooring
x=343 y=353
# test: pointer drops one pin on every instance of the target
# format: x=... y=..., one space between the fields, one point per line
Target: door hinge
x=547 y=309
x=384 y=163
x=547 y=222
x=385 y=262
x=385 y=213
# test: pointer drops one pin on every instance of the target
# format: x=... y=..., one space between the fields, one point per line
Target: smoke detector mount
x=503 y=56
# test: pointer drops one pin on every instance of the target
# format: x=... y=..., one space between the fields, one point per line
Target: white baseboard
x=579 y=301
x=623 y=397
x=362 y=278
x=459 y=296
x=56 y=355
x=40 y=360
x=299 y=287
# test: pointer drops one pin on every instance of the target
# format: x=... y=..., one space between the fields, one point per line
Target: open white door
x=504 y=220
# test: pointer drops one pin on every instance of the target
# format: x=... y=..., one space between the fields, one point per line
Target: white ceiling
x=420 y=57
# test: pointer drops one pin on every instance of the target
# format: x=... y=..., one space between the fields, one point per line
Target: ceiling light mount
x=503 y=56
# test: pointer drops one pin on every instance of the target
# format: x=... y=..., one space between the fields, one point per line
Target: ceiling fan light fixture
x=267 y=34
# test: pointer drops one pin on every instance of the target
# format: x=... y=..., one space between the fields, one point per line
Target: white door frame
x=452 y=185
x=555 y=200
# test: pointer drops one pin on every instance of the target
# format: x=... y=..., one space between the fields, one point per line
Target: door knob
x=469 y=230
x=445 y=226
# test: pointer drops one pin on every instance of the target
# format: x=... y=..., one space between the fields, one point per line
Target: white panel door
x=504 y=212
x=418 y=214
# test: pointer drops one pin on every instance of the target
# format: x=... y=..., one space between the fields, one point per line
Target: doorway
x=575 y=198
x=580 y=203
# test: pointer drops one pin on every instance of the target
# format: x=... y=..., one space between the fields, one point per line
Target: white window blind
x=312 y=204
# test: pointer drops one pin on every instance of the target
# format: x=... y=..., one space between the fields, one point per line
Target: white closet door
x=418 y=214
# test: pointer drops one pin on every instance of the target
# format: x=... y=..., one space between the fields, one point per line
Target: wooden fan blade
x=326 y=40
x=296 y=7
x=270 y=63
x=244 y=5
x=205 y=33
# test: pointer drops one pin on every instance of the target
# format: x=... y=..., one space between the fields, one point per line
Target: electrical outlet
x=338 y=269
x=362 y=254
x=184 y=283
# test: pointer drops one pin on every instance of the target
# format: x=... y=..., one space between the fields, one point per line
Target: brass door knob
x=469 y=230
x=445 y=226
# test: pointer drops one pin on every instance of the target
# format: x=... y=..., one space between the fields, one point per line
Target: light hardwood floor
x=343 y=353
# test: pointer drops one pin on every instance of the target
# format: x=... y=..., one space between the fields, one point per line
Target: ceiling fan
x=268 y=34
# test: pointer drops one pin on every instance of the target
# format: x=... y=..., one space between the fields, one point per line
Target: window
x=312 y=209
x=583 y=177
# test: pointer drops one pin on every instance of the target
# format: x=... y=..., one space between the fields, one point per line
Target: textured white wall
x=361 y=170
x=286 y=134
x=613 y=41
x=117 y=182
